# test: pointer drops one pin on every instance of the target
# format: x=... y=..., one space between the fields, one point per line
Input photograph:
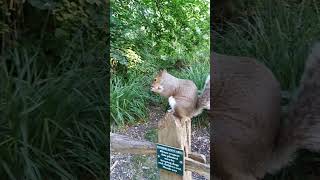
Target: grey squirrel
x=248 y=138
x=182 y=94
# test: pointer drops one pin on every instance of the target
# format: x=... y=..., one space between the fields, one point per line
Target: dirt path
x=144 y=167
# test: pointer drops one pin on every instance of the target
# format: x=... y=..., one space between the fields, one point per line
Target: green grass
x=129 y=99
x=279 y=34
x=53 y=123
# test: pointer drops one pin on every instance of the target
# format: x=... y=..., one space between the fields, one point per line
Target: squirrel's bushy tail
x=203 y=101
x=302 y=129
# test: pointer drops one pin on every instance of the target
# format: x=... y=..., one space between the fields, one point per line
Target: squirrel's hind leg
x=181 y=114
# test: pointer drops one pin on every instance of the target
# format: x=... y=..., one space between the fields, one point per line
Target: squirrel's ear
x=162 y=71
x=159 y=73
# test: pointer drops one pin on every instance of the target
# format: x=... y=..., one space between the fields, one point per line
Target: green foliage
x=278 y=33
x=159 y=30
x=53 y=106
x=128 y=99
x=52 y=127
x=53 y=26
x=150 y=35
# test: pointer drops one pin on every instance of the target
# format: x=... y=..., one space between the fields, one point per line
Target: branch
x=121 y=143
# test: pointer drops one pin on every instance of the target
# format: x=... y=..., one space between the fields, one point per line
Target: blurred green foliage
x=53 y=90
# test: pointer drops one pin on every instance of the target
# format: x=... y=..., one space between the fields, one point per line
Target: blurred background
x=278 y=33
x=53 y=89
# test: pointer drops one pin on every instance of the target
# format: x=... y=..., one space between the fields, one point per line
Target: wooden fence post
x=173 y=132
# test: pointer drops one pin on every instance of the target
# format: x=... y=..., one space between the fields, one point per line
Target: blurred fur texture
x=248 y=138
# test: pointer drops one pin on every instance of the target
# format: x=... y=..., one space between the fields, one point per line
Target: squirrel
x=248 y=137
x=182 y=94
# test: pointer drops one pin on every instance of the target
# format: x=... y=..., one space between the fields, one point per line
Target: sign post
x=174 y=145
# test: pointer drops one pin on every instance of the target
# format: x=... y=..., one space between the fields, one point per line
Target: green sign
x=170 y=158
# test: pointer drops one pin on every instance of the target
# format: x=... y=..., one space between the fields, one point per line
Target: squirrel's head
x=157 y=86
